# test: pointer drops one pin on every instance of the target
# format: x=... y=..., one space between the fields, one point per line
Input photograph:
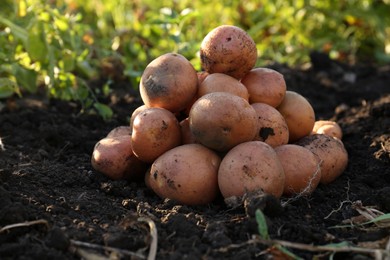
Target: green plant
x=61 y=45
x=45 y=48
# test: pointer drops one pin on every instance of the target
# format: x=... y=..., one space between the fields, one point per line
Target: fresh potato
x=135 y=113
x=272 y=127
x=219 y=82
x=222 y=120
x=299 y=115
x=119 y=131
x=331 y=155
x=228 y=49
x=155 y=131
x=114 y=157
x=169 y=81
x=301 y=169
x=327 y=127
x=187 y=174
x=265 y=86
x=248 y=167
x=202 y=75
x=186 y=135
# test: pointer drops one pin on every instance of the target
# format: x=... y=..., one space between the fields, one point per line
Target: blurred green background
x=60 y=46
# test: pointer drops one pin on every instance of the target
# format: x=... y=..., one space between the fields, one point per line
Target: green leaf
x=36 y=43
x=7 y=88
x=103 y=110
x=26 y=78
x=377 y=219
x=262 y=224
x=288 y=252
x=16 y=30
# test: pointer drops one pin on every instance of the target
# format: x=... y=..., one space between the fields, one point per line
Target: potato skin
x=135 y=113
x=299 y=115
x=228 y=49
x=114 y=157
x=187 y=174
x=119 y=131
x=251 y=166
x=301 y=169
x=327 y=127
x=219 y=82
x=169 y=81
x=265 y=86
x=155 y=131
x=222 y=120
x=331 y=154
x=186 y=135
x=272 y=127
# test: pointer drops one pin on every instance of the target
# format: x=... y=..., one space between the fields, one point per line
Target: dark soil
x=46 y=176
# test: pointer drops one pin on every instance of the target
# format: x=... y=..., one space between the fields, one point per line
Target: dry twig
x=87 y=255
x=25 y=224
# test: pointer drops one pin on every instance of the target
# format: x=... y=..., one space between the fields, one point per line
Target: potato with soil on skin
x=228 y=49
x=299 y=115
x=219 y=82
x=330 y=153
x=327 y=127
x=135 y=113
x=155 y=131
x=187 y=174
x=202 y=75
x=265 y=86
x=186 y=135
x=251 y=166
x=169 y=81
x=114 y=157
x=222 y=120
x=119 y=131
x=301 y=169
x=271 y=125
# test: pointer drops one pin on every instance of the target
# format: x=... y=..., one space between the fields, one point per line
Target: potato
x=248 y=167
x=299 y=115
x=187 y=174
x=222 y=120
x=202 y=75
x=169 y=81
x=219 y=82
x=228 y=49
x=265 y=86
x=135 y=113
x=119 y=131
x=155 y=131
x=114 y=157
x=330 y=153
x=271 y=125
x=327 y=127
x=186 y=135
x=301 y=169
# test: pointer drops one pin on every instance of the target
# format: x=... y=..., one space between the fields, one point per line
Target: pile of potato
x=229 y=129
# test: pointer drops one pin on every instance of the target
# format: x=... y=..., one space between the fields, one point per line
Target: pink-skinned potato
x=330 y=153
x=228 y=49
x=299 y=115
x=169 y=81
x=250 y=167
x=155 y=131
x=265 y=86
x=114 y=157
x=328 y=127
x=301 y=169
x=221 y=120
x=272 y=127
x=187 y=174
